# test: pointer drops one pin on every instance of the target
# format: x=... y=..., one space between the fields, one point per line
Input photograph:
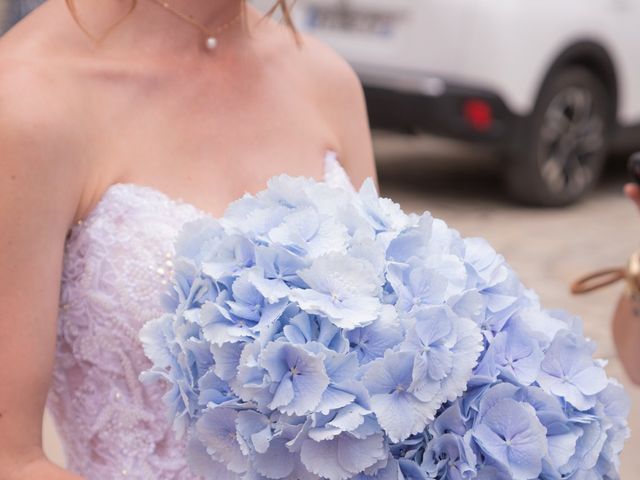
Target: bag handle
x=602 y=278
x=597 y=280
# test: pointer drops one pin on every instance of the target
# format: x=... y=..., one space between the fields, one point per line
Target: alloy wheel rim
x=571 y=141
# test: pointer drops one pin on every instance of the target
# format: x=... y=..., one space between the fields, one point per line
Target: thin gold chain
x=199 y=26
x=98 y=39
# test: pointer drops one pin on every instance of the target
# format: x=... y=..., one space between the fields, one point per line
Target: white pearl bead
x=212 y=43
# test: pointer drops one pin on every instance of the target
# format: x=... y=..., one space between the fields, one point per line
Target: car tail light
x=478 y=114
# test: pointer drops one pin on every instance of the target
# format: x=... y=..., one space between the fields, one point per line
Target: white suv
x=555 y=84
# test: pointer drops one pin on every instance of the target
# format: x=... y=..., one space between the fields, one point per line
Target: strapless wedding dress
x=117 y=265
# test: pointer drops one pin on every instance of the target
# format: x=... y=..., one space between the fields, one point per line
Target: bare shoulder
x=27 y=100
x=31 y=79
x=312 y=62
x=328 y=70
x=36 y=124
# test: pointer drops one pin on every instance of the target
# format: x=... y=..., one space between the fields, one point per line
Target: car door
x=394 y=36
x=623 y=37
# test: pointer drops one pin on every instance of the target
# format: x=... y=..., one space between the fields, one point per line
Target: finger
x=632 y=191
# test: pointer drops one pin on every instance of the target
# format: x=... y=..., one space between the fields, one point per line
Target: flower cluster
x=314 y=332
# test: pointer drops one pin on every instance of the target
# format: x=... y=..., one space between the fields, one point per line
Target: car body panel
x=501 y=46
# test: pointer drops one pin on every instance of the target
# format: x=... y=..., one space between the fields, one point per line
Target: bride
x=120 y=121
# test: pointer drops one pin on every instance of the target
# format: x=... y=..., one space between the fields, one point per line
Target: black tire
x=564 y=143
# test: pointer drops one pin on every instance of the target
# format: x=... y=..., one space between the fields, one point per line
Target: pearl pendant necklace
x=211 y=40
x=211 y=43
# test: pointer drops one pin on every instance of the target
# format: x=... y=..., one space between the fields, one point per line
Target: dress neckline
x=331 y=164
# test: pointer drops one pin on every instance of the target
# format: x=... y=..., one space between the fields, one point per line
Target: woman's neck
x=151 y=28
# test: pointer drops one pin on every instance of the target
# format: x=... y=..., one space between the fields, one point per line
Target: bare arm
x=341 y=96
x=626 y=320
x=38 y=198
x=354 y=131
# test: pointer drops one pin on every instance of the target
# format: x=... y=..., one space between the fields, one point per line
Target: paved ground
x=548 y=248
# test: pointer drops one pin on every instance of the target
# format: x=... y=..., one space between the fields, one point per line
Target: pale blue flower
x=255 y=432
x=278 y=461
x=397 y=383
x=372 y=341
x=276 y=271
x=453 y=269
x=289 y=191
x=218 y=325
x=449 y=346
x=489 y=273
x=343 y=371
x=416 y=286
x=314 y=332
x=214 y=391
x=252 y=310
x=181 y=357
x=340 y=288
x=383 y=214
x=201 y=463
x=198 y=240
x=306 y=232
x=562 y=436
x=569 y=371
x=353 y=418
x=492 y=472
x=411 y=242
x=298 y=377
x=248 y=302
x=190 y=289
x=388 y=469
x=589 y=445
x=232 y=254
x=613 y=404
x=305 y=328
x=264 y=440
x=226 y=359
x=488 y=267
x=510 y=434
x=445 y=241
x=427 y=239
x=411 y=470
x=517 y=353
x=372 y=251
x=253 y=218
x=345 y=455
x=216 y=429
x=450 y=456
x=450 y=420
x=543 y=325
x=470 y=304
x=252 y=382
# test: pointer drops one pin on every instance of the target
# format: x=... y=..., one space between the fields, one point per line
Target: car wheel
x=565 y=141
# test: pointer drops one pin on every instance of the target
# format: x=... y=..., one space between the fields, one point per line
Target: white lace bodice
x=117 y=265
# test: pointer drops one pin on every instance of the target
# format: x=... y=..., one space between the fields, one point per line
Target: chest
x=183 y=134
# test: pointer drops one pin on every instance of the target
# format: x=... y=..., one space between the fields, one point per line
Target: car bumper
x=435 y=106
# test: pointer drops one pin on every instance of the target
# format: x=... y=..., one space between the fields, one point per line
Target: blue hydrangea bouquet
x=319 y=333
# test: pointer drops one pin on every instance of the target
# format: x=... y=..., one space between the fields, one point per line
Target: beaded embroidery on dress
x=117 y=265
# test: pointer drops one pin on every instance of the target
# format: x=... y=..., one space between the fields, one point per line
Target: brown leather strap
x=597 y=280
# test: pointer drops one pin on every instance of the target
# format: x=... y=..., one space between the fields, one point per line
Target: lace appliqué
x=117 y=266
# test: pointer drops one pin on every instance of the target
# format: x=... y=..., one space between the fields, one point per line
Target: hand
x=632 y=190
